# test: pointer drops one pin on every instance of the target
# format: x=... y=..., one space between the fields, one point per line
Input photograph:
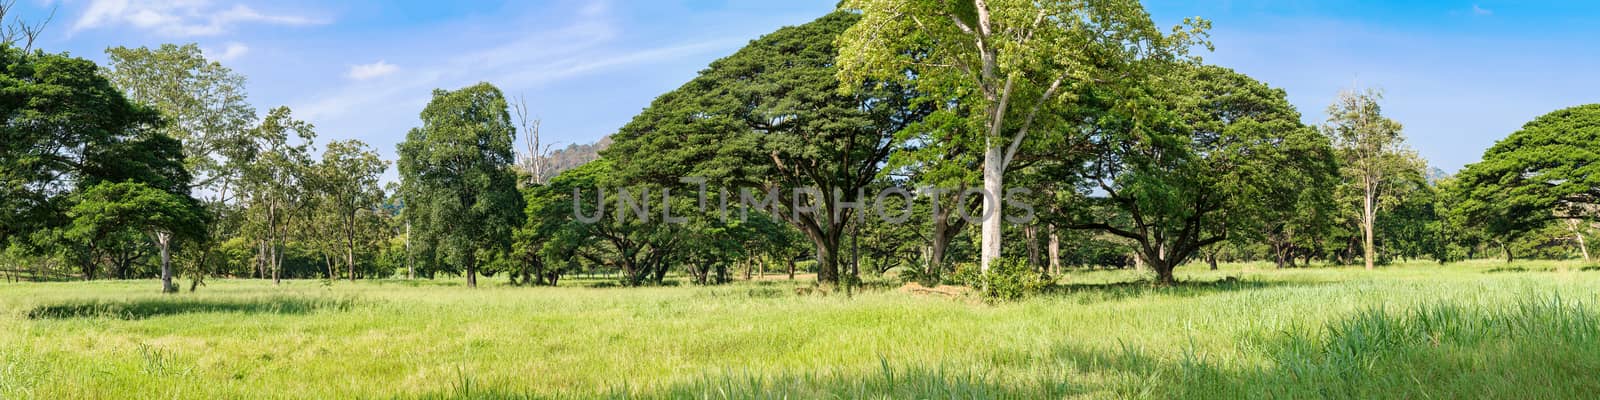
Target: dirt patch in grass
x=941 y=290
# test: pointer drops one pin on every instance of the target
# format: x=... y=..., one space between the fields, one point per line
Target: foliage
x=1009 y=280
x=1222 y=155
x=1546 y=171
x=110 y=211
x=347 y=185
x=202 y=101
x=770 y=118
x=1374 y=160
x=275 y=187
x=459 y=189
x=65 y=128
x=1014 y=66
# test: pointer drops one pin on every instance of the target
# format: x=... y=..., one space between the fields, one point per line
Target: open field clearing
x=1419 y=331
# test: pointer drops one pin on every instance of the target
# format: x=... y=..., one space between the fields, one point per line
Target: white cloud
x=571 y=43
x=179 y=17
x=1476 y=10
x=368 y=71
x=229 y=52
x=595 y=8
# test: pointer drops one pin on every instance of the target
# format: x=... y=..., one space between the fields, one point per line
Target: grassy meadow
x=1472 y=330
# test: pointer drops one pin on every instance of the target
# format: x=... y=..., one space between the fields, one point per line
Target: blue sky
x=1458 y=74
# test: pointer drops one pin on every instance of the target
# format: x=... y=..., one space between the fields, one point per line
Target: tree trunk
x=472 y=272
x=791 y=267
x=1278 y=256
x=350 y=260
x=855 y=255
x=828 y=261
x=1212 y=260
x=1031 y=232
x=1163 y=272
x=1574 y=224
x=277 y=262
x=993 y=187
x=1368 y=215
x=261 y=259
x=1054 y=251
x=164 y=240
x=941 y=239
x=411 y=271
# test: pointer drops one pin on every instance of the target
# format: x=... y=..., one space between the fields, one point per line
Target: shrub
x=908 y=275
x=1008 y=279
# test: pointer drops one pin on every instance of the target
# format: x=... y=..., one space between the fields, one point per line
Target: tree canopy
x=1015 y=64
x=770 y=118
x=1229 y=156
x=1548 y=170
x=459 y=189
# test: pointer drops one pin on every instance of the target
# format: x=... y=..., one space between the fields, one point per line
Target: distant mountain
x=1434 y=174
x=574 y=155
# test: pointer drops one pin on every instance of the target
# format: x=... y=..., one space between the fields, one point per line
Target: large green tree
x=349 y=192
x=1373 y=156
x=1015 y=62
x=275 y=187
x=205 y=108
x=108 y=210
x=770 y=118
x=1210 y=154
x=64 y=128
x=1547 y=171
x=460 y=192
x=203 y=102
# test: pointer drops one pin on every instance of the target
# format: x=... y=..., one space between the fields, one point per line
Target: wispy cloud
x=182 y=18
x=368 y=71
x=231 y=51
x=561 y=52
x=1476 y=10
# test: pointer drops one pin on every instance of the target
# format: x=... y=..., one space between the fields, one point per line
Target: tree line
x=1122 y=147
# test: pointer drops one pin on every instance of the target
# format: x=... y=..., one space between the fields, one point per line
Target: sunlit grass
x=1473 y=330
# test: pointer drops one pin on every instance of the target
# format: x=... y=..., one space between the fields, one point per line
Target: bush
x=806 y=266
x=918 y=275
x=1008 y=279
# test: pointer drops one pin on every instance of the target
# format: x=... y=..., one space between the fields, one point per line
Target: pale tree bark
x=327 y=261
x=1054 y=250
x=411 y=269
x=1368 y=219
x=993 y=186
x=350 y=260
x=1574 y=225
x=164 y=240
x=538 y=152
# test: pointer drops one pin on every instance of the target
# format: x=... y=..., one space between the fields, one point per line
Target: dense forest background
x=1133 y=152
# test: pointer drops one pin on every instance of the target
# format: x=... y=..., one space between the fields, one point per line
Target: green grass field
x=1473 y=330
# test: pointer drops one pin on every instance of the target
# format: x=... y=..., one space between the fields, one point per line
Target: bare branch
x=1016 y=140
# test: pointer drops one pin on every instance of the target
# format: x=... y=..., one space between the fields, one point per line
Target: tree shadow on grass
x=132 y=309
x=1087 y=293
